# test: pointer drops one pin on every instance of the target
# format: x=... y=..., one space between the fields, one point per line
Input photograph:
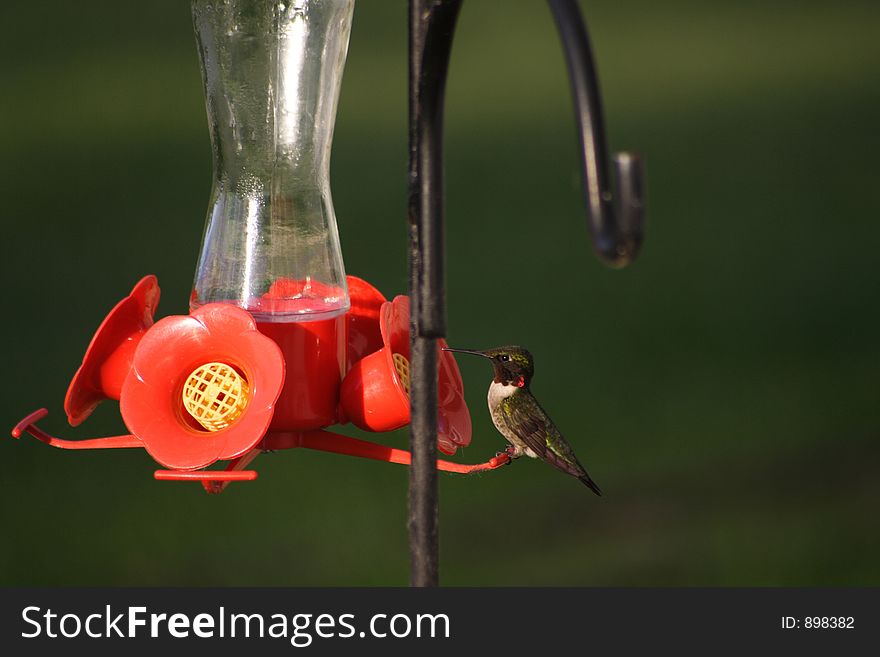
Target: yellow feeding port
x=215 y=395
x=401 y=364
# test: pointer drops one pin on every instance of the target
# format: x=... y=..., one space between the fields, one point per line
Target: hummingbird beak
x=467 y=351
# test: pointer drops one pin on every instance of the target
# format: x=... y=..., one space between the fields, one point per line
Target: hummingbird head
x=513 y=364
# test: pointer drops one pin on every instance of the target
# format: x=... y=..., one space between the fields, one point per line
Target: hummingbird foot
x=513 y=452
x=506 y=455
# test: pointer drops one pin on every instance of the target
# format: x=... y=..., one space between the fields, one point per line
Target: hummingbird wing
x=530 y=422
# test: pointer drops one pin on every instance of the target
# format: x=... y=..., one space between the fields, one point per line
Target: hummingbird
x=519 y=417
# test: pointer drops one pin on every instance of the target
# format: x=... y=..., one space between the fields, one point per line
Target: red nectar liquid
x=314 y=359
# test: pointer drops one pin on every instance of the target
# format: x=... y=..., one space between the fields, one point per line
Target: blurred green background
x=722 y=390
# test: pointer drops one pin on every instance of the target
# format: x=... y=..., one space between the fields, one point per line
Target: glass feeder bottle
x=271 y=74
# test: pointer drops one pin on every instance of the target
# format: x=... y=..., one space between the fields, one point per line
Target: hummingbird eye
x=505 y=357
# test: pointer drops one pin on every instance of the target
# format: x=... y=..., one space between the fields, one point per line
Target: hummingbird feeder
x=280 y=344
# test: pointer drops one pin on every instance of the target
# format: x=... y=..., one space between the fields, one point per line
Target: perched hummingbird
x=519 y=417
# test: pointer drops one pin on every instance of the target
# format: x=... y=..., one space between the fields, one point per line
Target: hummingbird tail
x=589 y=483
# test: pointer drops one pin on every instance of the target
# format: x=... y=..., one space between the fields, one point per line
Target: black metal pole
x=431 y=26
x=616 y=215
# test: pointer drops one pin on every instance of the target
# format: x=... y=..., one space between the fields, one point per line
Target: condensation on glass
x=272 y=72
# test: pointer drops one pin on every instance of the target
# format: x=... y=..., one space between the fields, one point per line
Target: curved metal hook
x=616 y=216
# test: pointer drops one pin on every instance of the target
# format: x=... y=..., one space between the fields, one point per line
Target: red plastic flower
x=375 y=394
x=151 y=400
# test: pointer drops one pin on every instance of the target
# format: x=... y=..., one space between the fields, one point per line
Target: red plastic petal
x=394 y=326
x=364 y=336
x=453 y=417
x=123 y=324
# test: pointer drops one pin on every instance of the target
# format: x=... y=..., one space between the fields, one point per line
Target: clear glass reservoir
x=271 y=73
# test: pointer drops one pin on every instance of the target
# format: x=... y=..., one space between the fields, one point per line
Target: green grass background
x=722 y=390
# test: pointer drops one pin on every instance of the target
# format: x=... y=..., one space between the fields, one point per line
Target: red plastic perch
x=327 y=441
x=215 y=481
x=28 y=425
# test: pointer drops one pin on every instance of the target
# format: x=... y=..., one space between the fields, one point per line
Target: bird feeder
x=280 y=344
